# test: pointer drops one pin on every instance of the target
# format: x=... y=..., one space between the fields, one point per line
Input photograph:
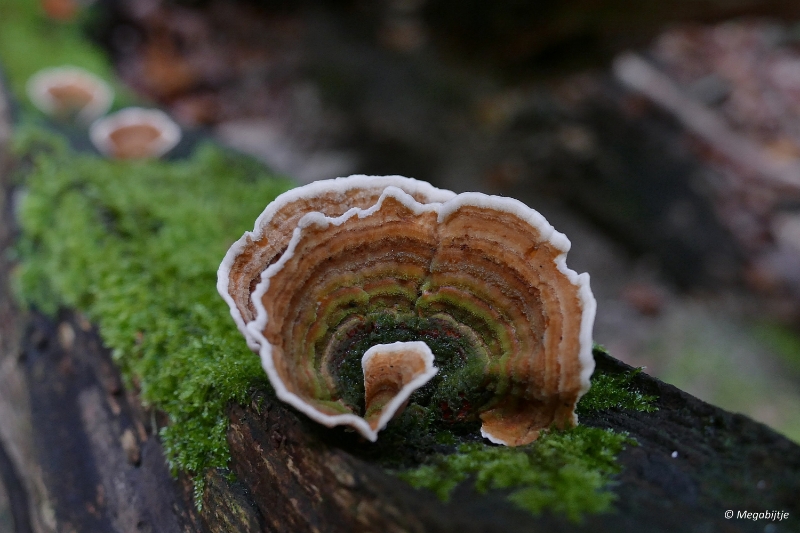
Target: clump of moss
x=566 y=472
x=136 y=247
x=616 y=391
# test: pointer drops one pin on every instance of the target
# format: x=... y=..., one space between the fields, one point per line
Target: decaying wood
x=85 y=456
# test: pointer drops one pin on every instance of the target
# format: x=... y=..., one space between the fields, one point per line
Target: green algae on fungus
x=566 y=472
x=486 y=270
x=450 y=393
x=135 y=246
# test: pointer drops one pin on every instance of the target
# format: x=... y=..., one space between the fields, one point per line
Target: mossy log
x=78 y=452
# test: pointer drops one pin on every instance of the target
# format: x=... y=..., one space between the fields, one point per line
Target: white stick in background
x=636 y=73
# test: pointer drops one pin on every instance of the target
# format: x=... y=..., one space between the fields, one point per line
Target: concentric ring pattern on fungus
x=350 y=281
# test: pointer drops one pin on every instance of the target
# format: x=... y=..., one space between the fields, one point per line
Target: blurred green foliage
x=784 y=341
x=30 y=41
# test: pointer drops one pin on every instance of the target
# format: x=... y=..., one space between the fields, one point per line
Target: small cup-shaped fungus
x=392 y=372
x=336 y=271
x=70 y=93
x=135 y=133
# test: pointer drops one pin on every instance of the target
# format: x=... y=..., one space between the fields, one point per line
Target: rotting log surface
x=311 y=478
x=83 y=455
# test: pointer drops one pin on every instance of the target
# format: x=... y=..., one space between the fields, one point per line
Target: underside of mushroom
x=401 y=279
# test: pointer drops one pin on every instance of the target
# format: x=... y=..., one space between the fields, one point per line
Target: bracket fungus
x=70 y=93
x=337 y=271
x=135 y=133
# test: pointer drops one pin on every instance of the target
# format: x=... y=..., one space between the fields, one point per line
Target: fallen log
x=85 y=454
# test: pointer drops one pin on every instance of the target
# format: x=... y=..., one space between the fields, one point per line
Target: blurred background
x=662 y=138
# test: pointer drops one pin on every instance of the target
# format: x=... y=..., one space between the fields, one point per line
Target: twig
x=639 y=75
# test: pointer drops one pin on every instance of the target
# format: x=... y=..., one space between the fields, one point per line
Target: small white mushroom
x=135 y=133
x=70 y=93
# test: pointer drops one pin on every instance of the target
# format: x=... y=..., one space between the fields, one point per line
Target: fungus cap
x=337 y=263
x=66 y=92
x=135 y=133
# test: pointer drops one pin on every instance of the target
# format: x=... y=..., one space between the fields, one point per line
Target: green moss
x=568 y=472
x=615 y=391
x=565 y=472
x=136 y=246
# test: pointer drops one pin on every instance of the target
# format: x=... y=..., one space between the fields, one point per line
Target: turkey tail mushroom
x=334 y=268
